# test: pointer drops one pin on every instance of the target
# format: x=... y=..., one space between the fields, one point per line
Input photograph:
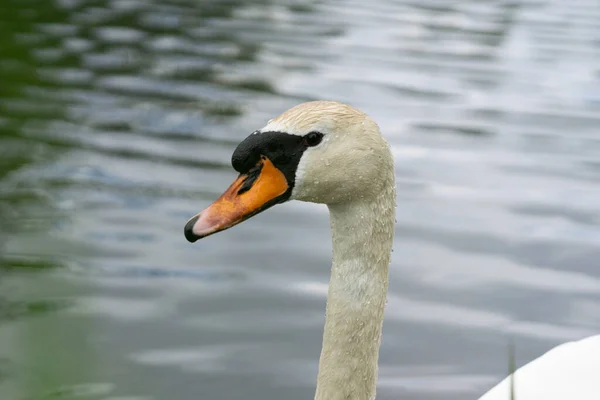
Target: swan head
x=320 y=152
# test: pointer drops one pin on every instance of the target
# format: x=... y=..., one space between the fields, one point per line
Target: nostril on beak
x=189 y=230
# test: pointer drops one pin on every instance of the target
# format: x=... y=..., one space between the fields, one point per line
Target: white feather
x=570 y=371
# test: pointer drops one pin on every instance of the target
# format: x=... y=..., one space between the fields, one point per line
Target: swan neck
x=362 y=234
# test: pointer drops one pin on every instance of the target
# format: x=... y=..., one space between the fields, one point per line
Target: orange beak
x=248 y=195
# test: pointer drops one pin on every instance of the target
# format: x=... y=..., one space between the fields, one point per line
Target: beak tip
x=188 y=231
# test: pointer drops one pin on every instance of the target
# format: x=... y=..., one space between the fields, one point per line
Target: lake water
x=117 y=123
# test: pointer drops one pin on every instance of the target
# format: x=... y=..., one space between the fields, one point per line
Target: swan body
x=331 y=153
x=569 y=371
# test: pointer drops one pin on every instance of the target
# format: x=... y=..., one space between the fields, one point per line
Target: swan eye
x=313 y=138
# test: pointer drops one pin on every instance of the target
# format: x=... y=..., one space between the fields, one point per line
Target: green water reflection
x=33 y=364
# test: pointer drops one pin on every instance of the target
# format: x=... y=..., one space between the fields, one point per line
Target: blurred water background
x=117 y=122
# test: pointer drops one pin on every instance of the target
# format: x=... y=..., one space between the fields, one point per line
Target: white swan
x=569 y=371
x=331 y=153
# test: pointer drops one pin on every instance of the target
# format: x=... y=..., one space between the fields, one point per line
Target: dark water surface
x=117 y=122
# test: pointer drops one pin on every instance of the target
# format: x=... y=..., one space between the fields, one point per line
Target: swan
x=331 y=153
x=569 y=371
